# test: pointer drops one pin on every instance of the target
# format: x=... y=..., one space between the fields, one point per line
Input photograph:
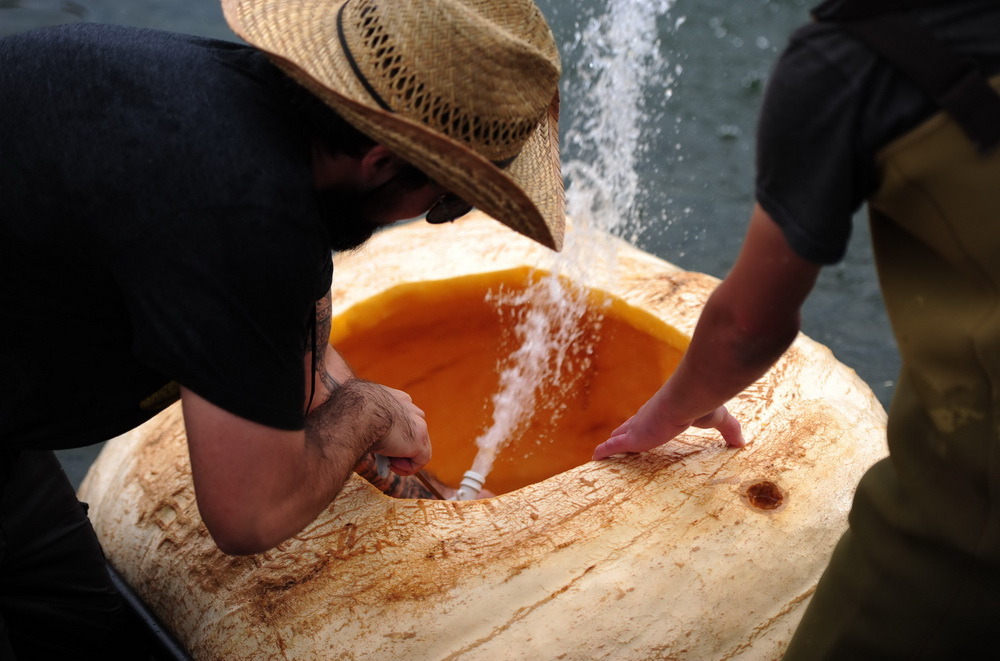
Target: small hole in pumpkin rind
x=764 y=495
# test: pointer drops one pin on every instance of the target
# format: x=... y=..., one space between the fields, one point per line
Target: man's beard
x=347 y=223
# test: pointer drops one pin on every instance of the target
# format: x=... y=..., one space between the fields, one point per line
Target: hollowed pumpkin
x=690 y=551
x=442 y=341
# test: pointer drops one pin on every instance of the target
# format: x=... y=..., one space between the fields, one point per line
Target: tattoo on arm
x=328 y=380
x=323 y=318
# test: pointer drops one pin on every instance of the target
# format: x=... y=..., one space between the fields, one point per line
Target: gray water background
x=695 y=169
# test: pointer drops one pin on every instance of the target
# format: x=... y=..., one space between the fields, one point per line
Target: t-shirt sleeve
x=808 y=163
x=223 y=315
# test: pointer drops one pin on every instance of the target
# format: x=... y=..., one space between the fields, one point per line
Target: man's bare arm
x=257 y=486
x=748 y=322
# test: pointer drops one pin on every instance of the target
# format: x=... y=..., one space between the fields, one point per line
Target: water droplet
x=729 y=132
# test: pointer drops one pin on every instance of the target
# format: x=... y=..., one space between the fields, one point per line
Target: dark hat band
x=354 y=64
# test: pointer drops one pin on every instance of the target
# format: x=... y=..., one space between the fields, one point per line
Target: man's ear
x=378 y=165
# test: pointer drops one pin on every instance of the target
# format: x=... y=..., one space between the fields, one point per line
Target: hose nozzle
x=472 y=484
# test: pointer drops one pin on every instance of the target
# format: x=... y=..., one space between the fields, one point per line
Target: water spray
x=619 y=57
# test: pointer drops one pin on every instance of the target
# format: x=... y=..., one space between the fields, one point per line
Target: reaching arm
x=257 y=486
x=748 y=322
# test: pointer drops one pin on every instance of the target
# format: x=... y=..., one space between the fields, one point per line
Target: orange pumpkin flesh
x=444 y=343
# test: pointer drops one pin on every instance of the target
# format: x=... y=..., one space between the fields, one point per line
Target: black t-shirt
x=157 y=224
x=831 y=105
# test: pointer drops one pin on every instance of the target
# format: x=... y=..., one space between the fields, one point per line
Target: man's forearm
x=257 y=486
x=749 y=320
x=352 y=418
x=723 y=360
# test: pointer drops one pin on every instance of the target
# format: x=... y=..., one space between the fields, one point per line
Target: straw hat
x=465 y=90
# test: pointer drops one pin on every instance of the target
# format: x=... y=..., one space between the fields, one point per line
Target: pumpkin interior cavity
x=446 y=341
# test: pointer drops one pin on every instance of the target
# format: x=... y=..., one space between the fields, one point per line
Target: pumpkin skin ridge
x=634 y=556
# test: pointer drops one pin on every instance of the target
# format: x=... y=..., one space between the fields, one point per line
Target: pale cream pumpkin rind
x=691 y=551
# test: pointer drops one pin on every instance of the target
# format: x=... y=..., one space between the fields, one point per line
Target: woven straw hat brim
x=300 y=37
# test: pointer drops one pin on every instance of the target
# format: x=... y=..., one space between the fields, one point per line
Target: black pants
x=56 y=599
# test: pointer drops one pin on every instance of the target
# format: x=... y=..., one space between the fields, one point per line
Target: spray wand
x=382 y=466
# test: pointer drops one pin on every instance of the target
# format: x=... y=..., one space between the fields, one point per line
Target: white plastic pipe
x=472 y=484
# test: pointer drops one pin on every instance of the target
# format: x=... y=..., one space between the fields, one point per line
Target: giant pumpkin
x=690 y=551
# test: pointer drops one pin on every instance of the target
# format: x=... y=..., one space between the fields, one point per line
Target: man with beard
x=169 y=205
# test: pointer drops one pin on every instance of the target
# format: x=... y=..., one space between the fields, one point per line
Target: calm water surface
x=695 y=163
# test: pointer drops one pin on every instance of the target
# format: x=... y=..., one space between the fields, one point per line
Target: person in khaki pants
x=893 y=103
